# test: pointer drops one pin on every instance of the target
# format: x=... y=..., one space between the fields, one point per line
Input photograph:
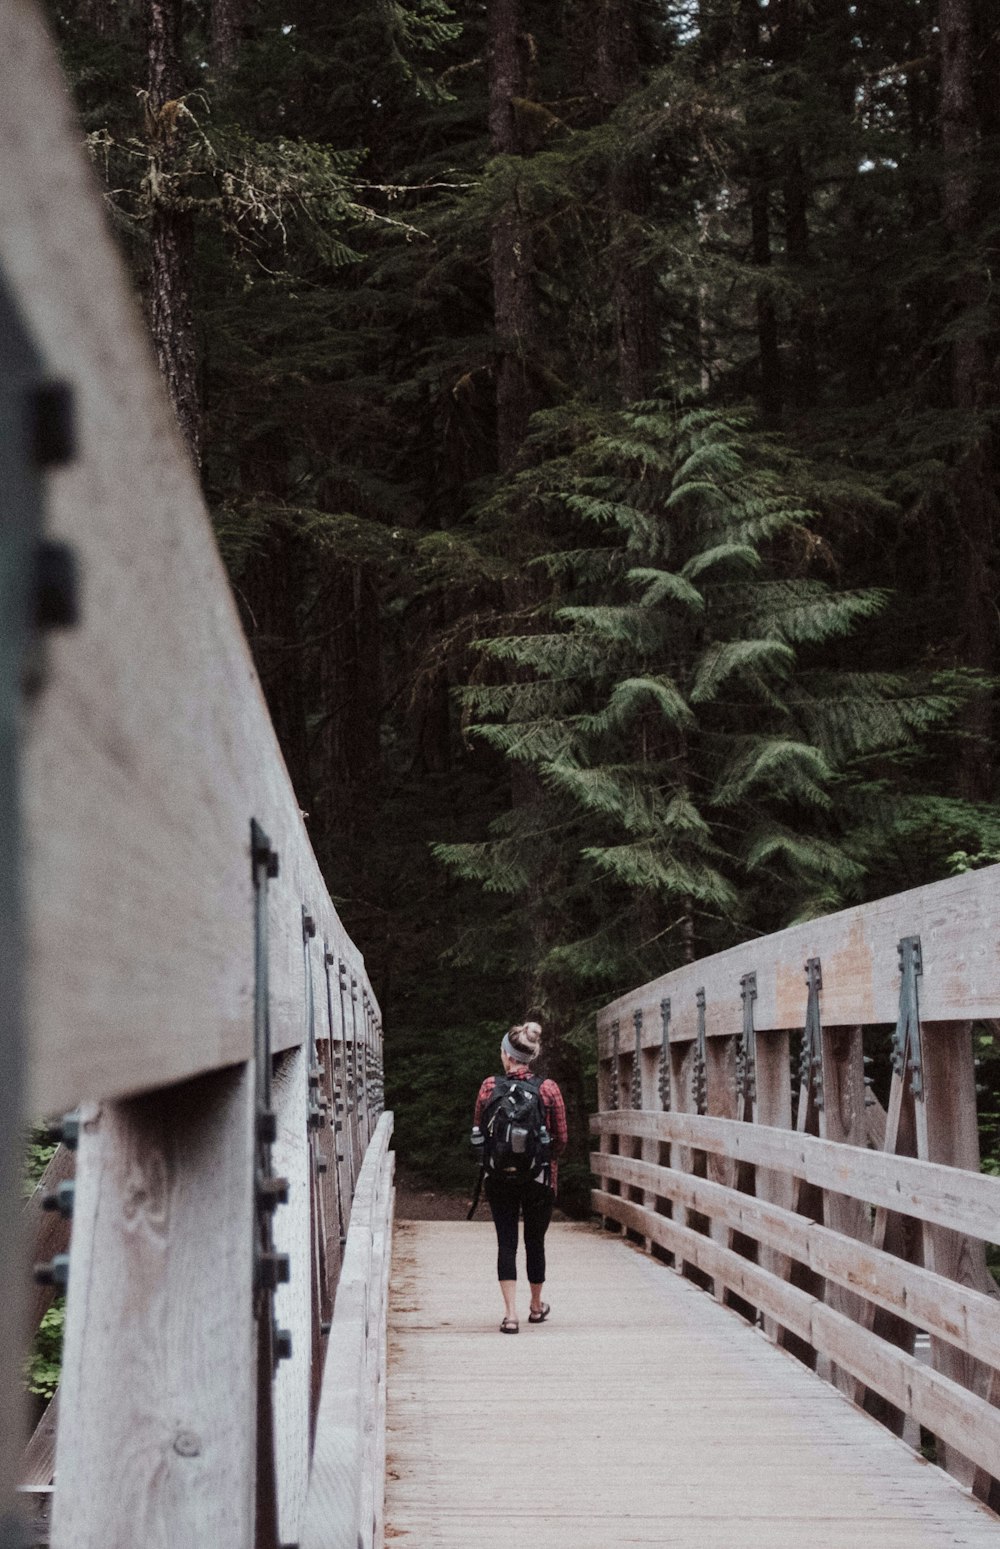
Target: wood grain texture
x=945 y=1196
x=955 y=1415
x=156 y=1434
x=151 y=748
x=38 y=1463
x=664 y=1419
x=968 y=1319
x=344 y=1499
x=957 y=920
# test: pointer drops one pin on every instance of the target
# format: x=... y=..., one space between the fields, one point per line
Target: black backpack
x=515 y=1136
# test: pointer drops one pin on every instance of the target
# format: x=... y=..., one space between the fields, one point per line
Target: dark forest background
x=597 y=403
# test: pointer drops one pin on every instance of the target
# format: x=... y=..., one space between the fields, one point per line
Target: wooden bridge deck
x=642 y=1413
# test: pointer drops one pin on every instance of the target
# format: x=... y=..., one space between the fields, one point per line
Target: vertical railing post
x=947 y=1132
x=842 y=1118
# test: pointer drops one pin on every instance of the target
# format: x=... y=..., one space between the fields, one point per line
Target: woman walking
x=523 y=1124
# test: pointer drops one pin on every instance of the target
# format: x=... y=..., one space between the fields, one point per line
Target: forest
x=597 y=402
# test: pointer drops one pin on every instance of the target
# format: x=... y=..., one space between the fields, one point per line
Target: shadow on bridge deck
x=642 y=1413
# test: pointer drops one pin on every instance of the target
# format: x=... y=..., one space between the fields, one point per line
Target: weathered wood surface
x=344 y=1503
x=966 y=1318
x=945 y=1196
x=956 y=1416
x=656 y=1417
x=38 y=1462
x=957 y=920
x=158 y=1398
x=151 y=748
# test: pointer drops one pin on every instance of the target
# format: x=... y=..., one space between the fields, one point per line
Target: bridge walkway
x=641 y=1413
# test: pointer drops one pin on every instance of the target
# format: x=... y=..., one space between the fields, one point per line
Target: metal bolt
x=321 y=1164
x=272 y=1192
x=187 y=1444
x=325 y=1327
x=67 y=1131
x=57 y=586
x=308 y=926
x=55 y=1272
x=267 y=1126
x=273 y=1269
x=61 y=1199
x=51 y=423
x=282 y=1344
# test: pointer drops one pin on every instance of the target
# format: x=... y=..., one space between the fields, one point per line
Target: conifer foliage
x=597 y=403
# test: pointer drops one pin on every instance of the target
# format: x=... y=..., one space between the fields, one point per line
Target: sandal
x=541 y=1315
x=508 y=1326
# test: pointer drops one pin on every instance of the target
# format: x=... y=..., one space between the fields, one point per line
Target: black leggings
x=507 y=1202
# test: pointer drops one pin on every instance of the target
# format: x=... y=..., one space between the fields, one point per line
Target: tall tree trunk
x=795 y=187
x=759 y=193
x=171 y=235
x=227 y=21
x=767 y=316
x=511 y=249
x=975 y=500
x=633 y=282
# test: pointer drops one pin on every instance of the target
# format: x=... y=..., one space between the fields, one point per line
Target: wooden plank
x=337 y=1502
x=790 y=1306
x=958 y=1416
x=842 y=1120
x=152 y=747
x=156 y=1435
x=957 y=920
x=38 y=1462
x=293 y=1307
x=35 y=1501
x=946 y=1196
x=951 y=1136
x=967 y=1318
x=672 y=1422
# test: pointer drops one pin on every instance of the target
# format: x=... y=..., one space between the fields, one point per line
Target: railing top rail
x=957 y=921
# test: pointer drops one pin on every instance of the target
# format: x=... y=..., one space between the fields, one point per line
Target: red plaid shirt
x=555 y=1113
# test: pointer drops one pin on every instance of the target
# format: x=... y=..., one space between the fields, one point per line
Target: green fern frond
x=739 y=555
x=632 y=697
x=802 y=855
x=729 y=658
x=496 y=867
x=784 y=768
x=665 y=586
x=644 y=866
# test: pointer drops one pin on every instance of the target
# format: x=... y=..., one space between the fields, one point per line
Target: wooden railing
x=194 y=1003
x=844 y=1228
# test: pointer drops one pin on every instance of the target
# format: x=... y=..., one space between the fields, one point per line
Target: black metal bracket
x=664 y=1075
x=271 y=1268
x=637 y=1061
x=699 y=1072
x=614 y=1096
x=811 y=1054
x=907 y=1047
x=746 y=1057
x=329 y=961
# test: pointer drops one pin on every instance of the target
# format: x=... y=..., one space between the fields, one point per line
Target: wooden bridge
x=784 y=1295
